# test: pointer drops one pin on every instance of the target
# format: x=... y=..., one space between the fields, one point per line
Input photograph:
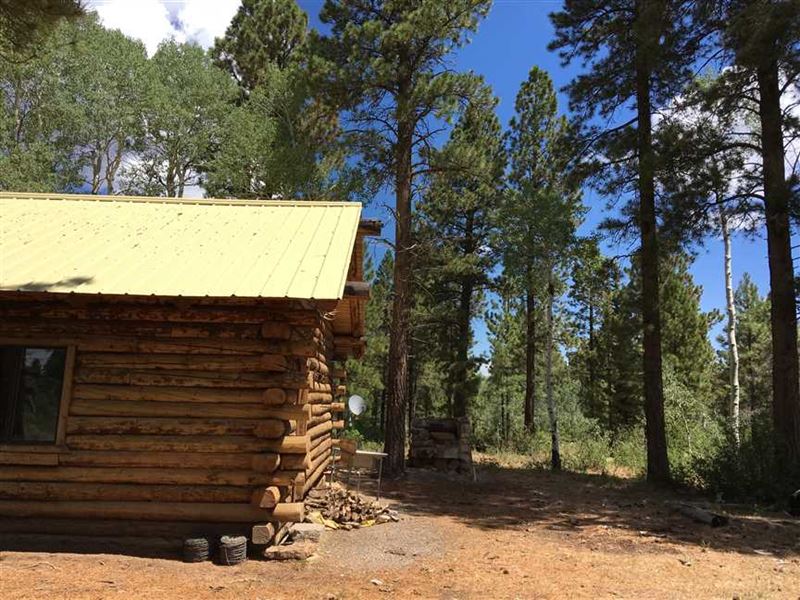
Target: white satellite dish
x=357 y=405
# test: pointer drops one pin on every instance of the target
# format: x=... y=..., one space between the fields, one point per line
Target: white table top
x=371 y=453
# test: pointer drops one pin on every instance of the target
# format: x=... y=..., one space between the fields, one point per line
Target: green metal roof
x=175 y=247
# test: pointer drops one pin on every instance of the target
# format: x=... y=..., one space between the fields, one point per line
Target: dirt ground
x=512 y=534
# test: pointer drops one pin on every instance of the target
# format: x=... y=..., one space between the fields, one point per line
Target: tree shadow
x=587 y=508
x=46 y=286
x=49 y=543
x=146 y=540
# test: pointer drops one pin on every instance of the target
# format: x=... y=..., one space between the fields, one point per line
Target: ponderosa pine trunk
x=731 y=330
x=460 y=399
x=462 y=341
x=783 y=315
x=530 y=356
x=398 y=379
x=555 y=450
x=646 y=35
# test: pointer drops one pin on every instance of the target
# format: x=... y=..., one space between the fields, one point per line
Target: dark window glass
x=30 y=393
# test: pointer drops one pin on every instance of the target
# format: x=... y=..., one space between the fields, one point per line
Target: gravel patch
x=386 y=546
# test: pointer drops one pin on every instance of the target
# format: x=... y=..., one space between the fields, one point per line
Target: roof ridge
x=55 y=197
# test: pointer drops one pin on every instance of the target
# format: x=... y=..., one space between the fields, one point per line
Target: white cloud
x=146 y=20
x=204 y=20
x=153 y=21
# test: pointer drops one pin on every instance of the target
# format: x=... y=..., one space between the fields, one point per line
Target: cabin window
x=31 y=381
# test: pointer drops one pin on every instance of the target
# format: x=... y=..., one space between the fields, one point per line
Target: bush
x=751 y=474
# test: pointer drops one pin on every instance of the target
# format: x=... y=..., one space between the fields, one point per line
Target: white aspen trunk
x=731 y=309
x=555 y=458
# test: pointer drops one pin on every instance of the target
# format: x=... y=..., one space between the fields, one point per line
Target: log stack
x=442 y=444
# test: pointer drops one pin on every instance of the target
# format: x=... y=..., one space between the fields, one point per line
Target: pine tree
x=761 y=37
x=386 y=64
x=755 y=352
x=263 y=35
x=534 y=138
x=594 y=280
x=538 y=218
x=638 y=51
x=458 y=214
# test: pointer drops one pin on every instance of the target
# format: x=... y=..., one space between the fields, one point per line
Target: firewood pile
x=442 y=444
x=337 y=507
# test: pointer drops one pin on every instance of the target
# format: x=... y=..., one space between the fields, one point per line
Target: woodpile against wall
x=442 y=444
x=177 y=412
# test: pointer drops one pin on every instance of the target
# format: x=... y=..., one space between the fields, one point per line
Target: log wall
x=178 y=412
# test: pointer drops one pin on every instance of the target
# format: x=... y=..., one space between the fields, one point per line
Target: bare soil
x=514 y=533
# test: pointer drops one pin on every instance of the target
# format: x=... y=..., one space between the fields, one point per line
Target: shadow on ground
x=586 y=507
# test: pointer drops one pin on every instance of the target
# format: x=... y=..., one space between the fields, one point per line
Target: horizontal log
x=320 y=409
x=338 y=424
x=179 y=378
x=316 y=475
x=317 y=461
x=318 y=430
x=266 y=428
x=321 y=418
x=262 y=535
x=320 y=397
x=139 y=329
x=28 y=458
x=192 y=362
x=279 y=396
x=188 y=313
x=162 y=476
x=166 y=443
x=61 y=491
x=266 y=497
x=156 y=511
x=279 y=330
x=274 y=396
x=315 y=364
x=238 y=460
x=288 y=512
x=165 y=394
x=136 y=408
x=95 y=343
x=287 y=478
x=265 y=462
x=322 y=448
x=295 y=462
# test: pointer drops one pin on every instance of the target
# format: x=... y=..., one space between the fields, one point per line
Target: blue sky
x=511 y=40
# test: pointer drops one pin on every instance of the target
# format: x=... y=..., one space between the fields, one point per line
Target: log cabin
x=168 y=366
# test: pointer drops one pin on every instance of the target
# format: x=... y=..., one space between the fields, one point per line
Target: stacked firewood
x=347 y=509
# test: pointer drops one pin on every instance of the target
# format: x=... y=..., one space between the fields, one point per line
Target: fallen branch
x=700 y=515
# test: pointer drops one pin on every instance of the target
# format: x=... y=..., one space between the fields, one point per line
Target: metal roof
x=175 y=247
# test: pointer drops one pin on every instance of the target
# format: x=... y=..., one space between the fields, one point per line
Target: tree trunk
x=397 y=392
x=530 y=355
x=734 y=348
x=555 y=452
x=655 y=431
x=783 y=316
x=97 y=170
x=460 y=399
x=592 y=365
x=464 y=335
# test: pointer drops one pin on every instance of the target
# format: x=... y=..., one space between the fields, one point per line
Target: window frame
x=58 y=445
